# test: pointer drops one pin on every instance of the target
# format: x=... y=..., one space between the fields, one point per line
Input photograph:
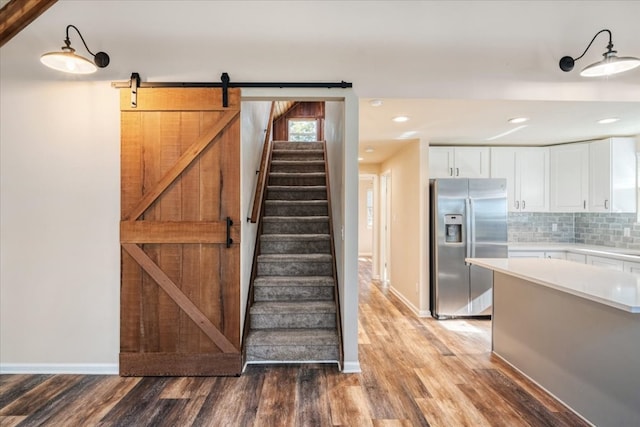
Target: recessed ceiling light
x=368 y=150
x=400 y=119
x=360 y=159
x=518 y=120
x=608 y=120
x=375 y=102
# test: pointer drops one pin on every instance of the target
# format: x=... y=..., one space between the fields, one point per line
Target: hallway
x=415 y=372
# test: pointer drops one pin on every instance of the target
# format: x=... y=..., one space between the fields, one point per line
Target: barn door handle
x=229 y=239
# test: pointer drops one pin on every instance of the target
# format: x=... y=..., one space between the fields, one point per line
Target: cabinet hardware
x=584 y=204
x=457 y=171
x=523 y=204
x=450 y=171
x=517 y=204
x=606 y=204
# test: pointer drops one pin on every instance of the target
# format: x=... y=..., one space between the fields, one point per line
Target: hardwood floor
x=415 y=372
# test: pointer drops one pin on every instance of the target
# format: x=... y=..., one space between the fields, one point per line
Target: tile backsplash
x=602 y=229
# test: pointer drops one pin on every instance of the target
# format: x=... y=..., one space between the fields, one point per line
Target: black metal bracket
x=225 y=89
x=229 y=239
x=135 y=83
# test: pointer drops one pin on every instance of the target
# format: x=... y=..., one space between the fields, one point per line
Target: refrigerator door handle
x=468 y=232
x=472 y=220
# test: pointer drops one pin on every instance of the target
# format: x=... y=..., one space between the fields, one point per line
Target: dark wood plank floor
x=415 y=372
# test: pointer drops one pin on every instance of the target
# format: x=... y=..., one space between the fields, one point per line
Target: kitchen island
x=572 y=328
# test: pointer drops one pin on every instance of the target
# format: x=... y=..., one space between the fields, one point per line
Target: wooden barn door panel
x=180 y=291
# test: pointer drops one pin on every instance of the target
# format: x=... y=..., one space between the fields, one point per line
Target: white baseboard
x=409 y=304
x=60 y=368
x=351 y=368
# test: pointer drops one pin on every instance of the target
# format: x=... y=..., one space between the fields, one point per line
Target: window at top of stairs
x=303 y=130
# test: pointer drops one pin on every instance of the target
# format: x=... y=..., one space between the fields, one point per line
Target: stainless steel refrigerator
x=468 y=219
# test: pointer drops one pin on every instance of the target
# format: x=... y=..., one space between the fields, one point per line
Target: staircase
x=292 y=317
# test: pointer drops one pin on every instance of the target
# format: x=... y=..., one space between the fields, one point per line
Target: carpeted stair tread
x=286 y=337
x=293 y=307
x=297 y=175
x=292 y=151
x=295 y=224
x=290 y=145
x=297 y=192
x=297 y=187
x=297 y=162
x=296 y=207
x=294 y=237
x=296 y=258
x=287 y=281
x=319 y=218
x=297 y=203
x=290 y=166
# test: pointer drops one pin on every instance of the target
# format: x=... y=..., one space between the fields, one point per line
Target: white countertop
x=613 y=288
x=617 y=253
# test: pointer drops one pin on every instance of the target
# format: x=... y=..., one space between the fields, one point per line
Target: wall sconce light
x=69 y=62
x=611 y=64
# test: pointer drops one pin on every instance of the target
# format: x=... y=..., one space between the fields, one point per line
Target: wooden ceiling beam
x=17 y=14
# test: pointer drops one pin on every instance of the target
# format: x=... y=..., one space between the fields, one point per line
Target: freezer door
x=488 y=214
x=450 y=275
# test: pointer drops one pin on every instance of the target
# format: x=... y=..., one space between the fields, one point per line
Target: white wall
x=409 y=225
x=341 y=134
x=60 y=212
x=254 y=118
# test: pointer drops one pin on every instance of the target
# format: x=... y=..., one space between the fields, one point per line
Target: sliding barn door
x=180 y=278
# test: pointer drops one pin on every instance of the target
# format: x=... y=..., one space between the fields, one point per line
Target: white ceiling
x=460 y=69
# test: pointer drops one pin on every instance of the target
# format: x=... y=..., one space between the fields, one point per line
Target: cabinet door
x=555 y=254
x=600 y=176
x=623 y=174
x=581 y=258
x=569 y=177
x=441 y=162
x=471 y=162
x=533 y=178
x=503 y=165
x=632 y=267
x=610 y=263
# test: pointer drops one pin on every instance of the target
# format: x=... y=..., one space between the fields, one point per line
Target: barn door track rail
x=225 y=83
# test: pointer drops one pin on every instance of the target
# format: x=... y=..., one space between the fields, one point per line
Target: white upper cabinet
x=527 y=173
x=459 y=162
x=612 y=175
x=569 y=178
